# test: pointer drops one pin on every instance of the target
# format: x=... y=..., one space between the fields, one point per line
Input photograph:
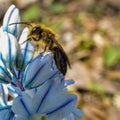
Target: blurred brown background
x=89 y=31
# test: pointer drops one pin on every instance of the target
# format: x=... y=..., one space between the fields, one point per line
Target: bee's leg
x=37 y=47
x=45 y=48
x=51 y=48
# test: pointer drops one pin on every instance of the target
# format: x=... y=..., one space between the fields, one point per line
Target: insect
x=40 y=35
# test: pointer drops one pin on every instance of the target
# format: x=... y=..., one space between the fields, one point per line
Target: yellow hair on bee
x=46 y=34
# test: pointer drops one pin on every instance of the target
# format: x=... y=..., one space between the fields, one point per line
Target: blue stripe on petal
x=4 y=71
x=3 y=81
x=38 y=71
x=5 y=108
x=35 y=75
x=9 y=49
x=27 y=52
x=24 y=55
x=45 y=94
x=9 y=17
x=32 y=80
x=12 y=91
x=60 y=107
x=4 y=75
x=9 y=57
x=53 y=75
x=15 y=29
x=6 y=113
x=10 y=115
x=24 y=105
x=4 y=97
x=21 y=61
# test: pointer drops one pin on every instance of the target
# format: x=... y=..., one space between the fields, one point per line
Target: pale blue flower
x=9 y=49
x=12 y=16
x=50 y=100
x=26 y=52
x=5 y=108
x=39 y=70
x=5 y=76
x=38 y=89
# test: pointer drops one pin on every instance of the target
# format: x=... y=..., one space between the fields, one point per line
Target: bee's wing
x=62 y=52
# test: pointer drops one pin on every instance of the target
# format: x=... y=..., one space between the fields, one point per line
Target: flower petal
x=5 y=76
x=78 y=113
x=62 y=109
x=26 y=52
x=61 y=106
x=49 y=100
x=4 y=92
x=53 y=100
x=6 y=113
x=24 y=104
x=23 y=36
x=69 y=117
x=39 y=70
x=11 y=16
x=9 y=49
x=20 y=118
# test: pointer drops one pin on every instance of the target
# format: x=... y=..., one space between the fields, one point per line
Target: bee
x=40 y=35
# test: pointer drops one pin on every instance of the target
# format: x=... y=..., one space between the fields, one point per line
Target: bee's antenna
x=21 y=23
x=29 y=39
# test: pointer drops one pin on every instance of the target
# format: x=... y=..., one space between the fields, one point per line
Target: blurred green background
x=89 y=31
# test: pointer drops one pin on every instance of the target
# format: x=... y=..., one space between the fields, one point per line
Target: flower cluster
x=30 y=88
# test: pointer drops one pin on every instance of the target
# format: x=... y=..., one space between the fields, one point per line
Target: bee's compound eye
x=36 y=30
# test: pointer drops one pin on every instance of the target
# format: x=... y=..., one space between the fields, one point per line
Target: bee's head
x=36 y=30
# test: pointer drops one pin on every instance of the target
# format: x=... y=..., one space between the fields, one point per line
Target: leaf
x=32 y=13
x=86 y=44
x=57 y=8
x=96 y=11
x=111 y=55
x=96 y=87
